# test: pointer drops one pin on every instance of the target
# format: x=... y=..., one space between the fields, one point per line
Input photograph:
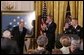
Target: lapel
x=49 y=24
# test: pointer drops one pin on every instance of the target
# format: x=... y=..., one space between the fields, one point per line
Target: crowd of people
x=71 y=39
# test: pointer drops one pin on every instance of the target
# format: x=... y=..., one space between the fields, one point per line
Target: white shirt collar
x=65 y=50
x=50 y=22
x=75 y=26
x=40 y=48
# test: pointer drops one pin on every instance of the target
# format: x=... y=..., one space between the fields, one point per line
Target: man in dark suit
x=74 y=28
x=19 y=33
x=50 y=33
x=8 y=46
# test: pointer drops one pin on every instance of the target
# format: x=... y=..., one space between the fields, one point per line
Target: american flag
x=44 y=14
x=42 y=17
x=44 y=11
x=68 y=14
x=10 y=21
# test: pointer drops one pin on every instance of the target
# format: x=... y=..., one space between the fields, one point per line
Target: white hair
x=75 y=42
x=42 y=40
x=6 y=34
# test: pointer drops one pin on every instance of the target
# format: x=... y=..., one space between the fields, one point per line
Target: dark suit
x=72 y=30
x=50 y=33
x=19 y=37
x=9 y=46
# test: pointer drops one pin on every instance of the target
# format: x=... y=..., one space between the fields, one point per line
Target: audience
x=81 y=45
x=8 y=46
x=65 y=41
x=42 y=41
x=57 y=51
x=75 y=44
x=71 y=44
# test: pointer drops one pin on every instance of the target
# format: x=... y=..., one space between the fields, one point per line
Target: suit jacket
x=50 y=33
x=72 y=30
x=76 y=51
x=19 y=37
x=9 y=46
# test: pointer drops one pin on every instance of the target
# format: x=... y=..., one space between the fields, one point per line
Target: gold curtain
x=61 y=8
x=80 y=13
x=37 y=8
x=76 y=8
x=73 y=8
x=58 y=10
x=55 y=8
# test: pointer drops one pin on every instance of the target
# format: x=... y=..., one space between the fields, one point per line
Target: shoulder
x=53 y=23
x=16 y=27
x=25 y=28
x=79 y=26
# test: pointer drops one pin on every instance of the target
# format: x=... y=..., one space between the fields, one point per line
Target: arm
x=52 y=28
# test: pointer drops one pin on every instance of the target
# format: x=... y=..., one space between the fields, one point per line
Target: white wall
x=19 y=6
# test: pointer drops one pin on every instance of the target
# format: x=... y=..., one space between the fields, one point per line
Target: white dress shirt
x=65 y=50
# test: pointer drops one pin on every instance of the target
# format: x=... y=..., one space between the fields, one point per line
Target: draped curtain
x=58 y=10
x=76 y=8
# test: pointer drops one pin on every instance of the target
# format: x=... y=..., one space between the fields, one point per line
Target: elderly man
x=8 y=46
x=19 y=33
x=75 y=45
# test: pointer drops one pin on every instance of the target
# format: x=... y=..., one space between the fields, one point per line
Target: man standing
x=8 y=46
x=50 y=33
x=74 y=28
x=19 y=33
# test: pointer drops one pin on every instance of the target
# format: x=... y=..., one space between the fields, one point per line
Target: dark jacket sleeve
x=52 y=28
x=15 y=49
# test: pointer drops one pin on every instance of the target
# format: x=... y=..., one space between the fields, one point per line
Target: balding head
x=49 y=19
x=6 y=34
x=21 y=23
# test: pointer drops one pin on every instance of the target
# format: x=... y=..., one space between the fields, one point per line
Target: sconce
x=9 y=5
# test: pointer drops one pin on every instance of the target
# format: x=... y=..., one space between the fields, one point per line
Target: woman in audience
x=65 y=41
x=42 y=42
x=8 y=46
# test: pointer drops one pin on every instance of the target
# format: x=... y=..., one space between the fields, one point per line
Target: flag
x=10 y=21
x=42 y=18
x=68 y=14
x=44 y=11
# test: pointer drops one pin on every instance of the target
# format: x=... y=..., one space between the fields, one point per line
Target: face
x=74 y=46
x=48 y=19
x=74 y=22
x=66 y=25
x=21 y=24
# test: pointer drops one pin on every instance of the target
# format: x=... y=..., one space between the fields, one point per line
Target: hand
x=66 y=25
x=43 y=27
x=47 y=21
